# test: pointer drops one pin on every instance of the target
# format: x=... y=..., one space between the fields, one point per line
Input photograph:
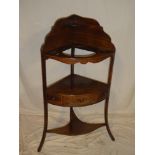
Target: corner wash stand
x=74 y=90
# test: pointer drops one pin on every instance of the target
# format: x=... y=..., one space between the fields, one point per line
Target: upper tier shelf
x=77 y=32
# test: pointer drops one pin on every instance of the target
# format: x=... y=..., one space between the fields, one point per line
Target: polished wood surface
x=70 y=33
x=76 y=126
x=75 y=90
x=65 y=58
x=77 y=32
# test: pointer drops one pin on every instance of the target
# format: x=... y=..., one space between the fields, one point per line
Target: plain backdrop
x=117 y=19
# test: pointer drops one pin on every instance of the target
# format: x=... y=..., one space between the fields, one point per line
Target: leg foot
x=109 y=132
x=45 y=127
x=42 y=141
x=106 y=120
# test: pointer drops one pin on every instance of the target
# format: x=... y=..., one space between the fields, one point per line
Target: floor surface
x=95 y=143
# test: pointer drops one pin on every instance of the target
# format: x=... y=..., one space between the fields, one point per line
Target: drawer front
x=81 y=100
x=75 y=100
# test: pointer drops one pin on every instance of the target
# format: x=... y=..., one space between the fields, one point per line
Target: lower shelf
x=75 y=127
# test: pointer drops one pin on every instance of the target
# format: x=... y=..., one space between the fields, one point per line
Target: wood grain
x=75 y=90
x=77 y=32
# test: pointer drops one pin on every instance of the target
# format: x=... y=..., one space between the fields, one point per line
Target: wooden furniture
x=74 y=90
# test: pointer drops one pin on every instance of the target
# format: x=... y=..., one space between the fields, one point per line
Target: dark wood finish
x=43 y=64
x=74 y=90
x=78 y=59
x=77 y=32
x=75 y=126
x=107 y=98
x=72 y=65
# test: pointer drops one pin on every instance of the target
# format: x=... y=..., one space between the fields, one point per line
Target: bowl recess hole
x=79 y=53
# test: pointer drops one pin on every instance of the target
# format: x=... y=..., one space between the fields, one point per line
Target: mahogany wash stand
x=74 y=90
